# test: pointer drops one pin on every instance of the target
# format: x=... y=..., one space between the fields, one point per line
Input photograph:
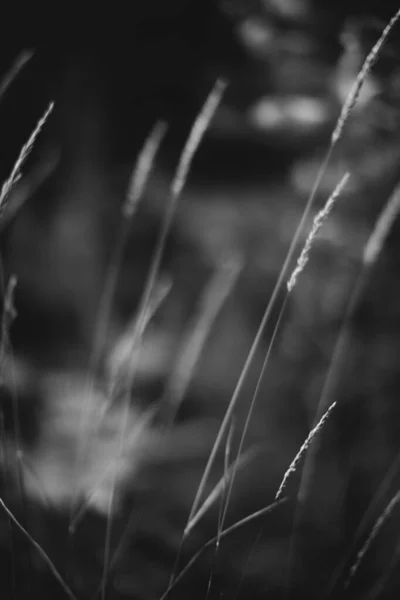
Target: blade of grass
x=220 y=487
x=372 y=536
x=227 y=460
x=214 y=296
x=222 y=534
x=371 y=509
x=222 y=493
x=40 y=551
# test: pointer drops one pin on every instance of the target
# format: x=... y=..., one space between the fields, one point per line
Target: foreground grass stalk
x=377 y=499
x=337 y=134
x=221 y=535
x=275 y=294
x=220 y=488
x=374 y=532
x=370 y=255
x=40 y=550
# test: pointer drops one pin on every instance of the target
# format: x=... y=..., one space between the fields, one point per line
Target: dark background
x=112 y=73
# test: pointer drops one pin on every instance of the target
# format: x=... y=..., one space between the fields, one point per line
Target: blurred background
x=113 y=73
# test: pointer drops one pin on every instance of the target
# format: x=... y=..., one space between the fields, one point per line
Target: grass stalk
x=40 y=551
x=372 y=536
x=221 y=535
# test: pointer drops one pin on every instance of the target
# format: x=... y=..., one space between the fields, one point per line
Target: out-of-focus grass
x=156 y=493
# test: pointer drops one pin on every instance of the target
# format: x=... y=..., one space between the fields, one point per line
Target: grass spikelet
x=294 y=464
x=318 y=221
x=14 y=71
x=371 y=253
x=199 y=128
x=40 y=550
x=374 y=532
x=26 y=149
x=274 y=296
x=144 y=166
x=345 y=113
x=354 y=94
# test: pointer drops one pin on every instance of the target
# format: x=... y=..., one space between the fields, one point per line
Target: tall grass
x=194 y=342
